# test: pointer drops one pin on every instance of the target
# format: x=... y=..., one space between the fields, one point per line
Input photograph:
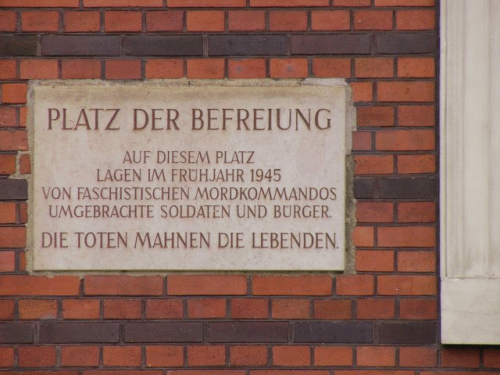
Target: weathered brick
x=8 y=21
x=8 y=117
x=247 y=45
x=362 y=91
x=163 y=45
x=123 y=285
x=247 y=355
x=164 y=68
x=407 y=333
x=354 y=285
x=291 y=309
x=82 y=21
x=123 y=69
x=332 y=309
x=80 y=356
x=288 y=68
x=207 y=308
x=375 y=309
x=122 y=356
x=406 y=91
x=164 y=356
x=406 y=43
x=206 y=284
x=304 y=285
x=122 y=3
x=417 y=115
x=39 y=69
x=330 y=332
x=164 y=309
x=206 y=355
x=374 y=261
x=416 y=67
x=8 y=69
x=41 y=3
x=404 y=3
x=414 y=236
x=246 y=20
x=24 y=164
x=460 y=357
x=374 y=67
x=324 y=44
x=409 y=285
x=246 y=68
x=417 y=212
x=80 y=45
x=7 y=211
x=205 y=20
x=407 y=187
x=205 y=68
x=290 y=3
x=7 y=307
x=351 y=3
x=331 y=67
x=373 y=164
x=416 y=261
x=417 y=357
x=40 y=21
x=13 y=93
x=375 y=212
x=7 y=261
x=375 y=116
x=295 y=20
x=37 y=309
x=373 y=20
x=248 y=332
x=416 y=163
x=416 y=19
x=330 y=20
x=376 y=356
x=67 y=333
x=164 y=20
x=333 y=356
x=6 y=357
x=80 y=309
x=80 y=69
x=246 y=308
x=363 y=236
x=122 y=21
x=491 y=357
x=292 y=355
x=13 y=141
x=37 y=356
x=18 y=45
x=164 y=332
x=16 y=333
x=122 y=309
x=418 y=309
x=207 y=3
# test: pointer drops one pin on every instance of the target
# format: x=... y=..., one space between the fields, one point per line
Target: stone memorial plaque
x=188 y=176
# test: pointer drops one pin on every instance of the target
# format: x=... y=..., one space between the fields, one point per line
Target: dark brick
x=20 y=333
x=397 y=43
x=164 y=332
x=407 y=333
x=364 y=187
x=411 y=188
x=13 y=189
x=248 y=332
x=329 y=332
x=156 y=45
x=65 y=333
x=80 y=45
x=325 y=44
x=18 y=45
x=247 y=45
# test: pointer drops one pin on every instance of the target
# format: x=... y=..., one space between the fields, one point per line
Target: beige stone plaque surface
x=188 y=175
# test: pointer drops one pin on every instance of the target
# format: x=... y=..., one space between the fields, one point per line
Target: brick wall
x=381 y=320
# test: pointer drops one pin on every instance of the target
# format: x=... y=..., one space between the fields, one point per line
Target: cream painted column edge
x=470 y=293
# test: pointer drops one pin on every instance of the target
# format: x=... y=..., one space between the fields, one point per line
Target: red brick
x=8 y=117
x=374 y=67
x=287 y=20
x=332 y=309
x=416 y=67
x=289 y=3
x=417 y=357
x=7 y=309
x=374 y=212
x=416 y=115
x=13 y=141
x=331 y=67
x=246 y=20
x=291 y=309
x=12 y=237
x=80 y=309
x=373 y=20
x=8 y=68
x=406 y=285
x=376 y=356
x=289 y=372
x=122 y=3
x=375 y=309
x=6 y=357
x=23 y=213
x=246 y=308
x=164 y=68
x=123 y=69
x=123 y=285
x=123 y=356
x=207 y=308
x=363 y=237
x=7 y=261
x=82 y=21
x=27 y=285
x=164 y=356
x=40 y=21
x=291 y=356
x=117 y=21
x=206 y=355
x=23 y=116
x=330 y=20
x=407 y=237
x=406 y=91
x=361 y=141
x=39 y=69
x=404 y=3
x=24 y=164
x=7 y=209
x=418 y=309
x=333 y=356
x=354 y=285
x=416 y=20
x=362 y=91
x=73 y=356
x=248 y=355
x=205 y=20
x=207 y=3
x=161 y=20
x=37 y=356
x=415 y=212
x=41 y=3
x=373 y=164
x=460 y=357
x=288 y=68
x=164 y=309
x=374 y=261
x=246 y=68
x=14 y=93
x=375 y=116
x=491 y=357
x=416 y=261
x=207 y=284
x=122 y=309
x=37 y=309
x=205 y=68
x=416 y=163
x=405 y=140
x=8 y=21
x=304 y=285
